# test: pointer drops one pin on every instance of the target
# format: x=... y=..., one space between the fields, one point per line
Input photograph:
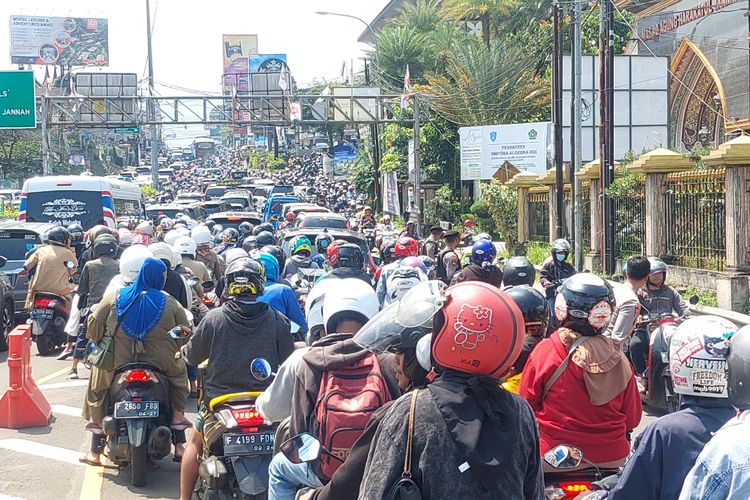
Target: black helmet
x=276 y=252
x=322 y=241
x=738 y=369
x=533 y=305
x=350 y=255
x=58 y=235
x=210 y=224
x=265 y=238
x=250 y=243
x=584 y=303
x=245 y=277
x=217 y=229
x=105 y=244
x=245 y=228
x=230 y=235
x=518 y=271
x=266 y=226
x=76 y=232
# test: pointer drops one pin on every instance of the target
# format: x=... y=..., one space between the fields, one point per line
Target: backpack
x=348 y=396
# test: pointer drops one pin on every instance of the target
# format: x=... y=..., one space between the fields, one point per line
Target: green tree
x=443 y=206
x=502 y=204
x=491 y=13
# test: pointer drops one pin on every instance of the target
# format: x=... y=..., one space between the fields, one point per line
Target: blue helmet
x=269 y=263
x=483 y=251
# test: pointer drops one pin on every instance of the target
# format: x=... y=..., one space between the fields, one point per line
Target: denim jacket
x=722 y=470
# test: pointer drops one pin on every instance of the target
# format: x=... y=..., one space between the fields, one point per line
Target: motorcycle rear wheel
x=138 y=460
x=45 y=344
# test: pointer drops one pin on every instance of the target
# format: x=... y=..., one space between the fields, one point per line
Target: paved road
x=42 y=463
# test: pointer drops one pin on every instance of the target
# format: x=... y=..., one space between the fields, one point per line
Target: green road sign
x=126 y=130
x=17 y=103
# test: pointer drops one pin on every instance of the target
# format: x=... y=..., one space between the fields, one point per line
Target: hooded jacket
x=662 y=300
x=492 y=275
x=95 y=277
x=230 y=337
x=297 y=262
x=666 y=450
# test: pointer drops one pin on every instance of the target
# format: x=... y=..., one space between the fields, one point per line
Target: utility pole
x=417 y=167
x=151 y=104
x=576 y=153
x=606 y=130
x=557 y=119
x=45 y=136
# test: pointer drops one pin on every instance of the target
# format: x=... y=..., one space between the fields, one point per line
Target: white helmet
x=146 y=228
x=201 y=235
x=126 y=237
x=234 y=254
x=132 y=260
x=185 y=246
x=177 y=258
x=698 y=356
x=401 y=281
x=314 y=303
x=351 y=297
x=191 y=224
x=183 y=231
x=171 y=237
x=166 y=224
x=163 y=251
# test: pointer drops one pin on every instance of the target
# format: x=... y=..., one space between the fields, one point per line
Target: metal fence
x=539 y=214
x=584 y=201
x=630 y=223
x=696 y=218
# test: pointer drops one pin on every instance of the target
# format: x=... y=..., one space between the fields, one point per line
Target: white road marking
x=41 y=450
x=6 y=497
x=63 y=385
x=66 y=410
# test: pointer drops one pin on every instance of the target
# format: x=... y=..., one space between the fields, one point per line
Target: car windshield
x=154 y=213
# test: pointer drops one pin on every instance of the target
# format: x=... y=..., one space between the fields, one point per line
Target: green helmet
x=300 y=244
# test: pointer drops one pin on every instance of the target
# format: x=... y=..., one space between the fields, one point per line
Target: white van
x=87 y=201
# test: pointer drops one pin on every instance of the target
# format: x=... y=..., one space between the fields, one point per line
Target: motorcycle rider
x=666 y=450
x=346 y=309
x=656 y=298
x=627 y=307
x=76 y=239
x=554 y=270
x=95 y=277
x=482 y=267
x=205 y=254
x=230 y=337
x=47 y=267
x=349 y=263
x=518 y=271
x=300 y=250
x=143 y=233
x=410 y=231
x=720 y=471
x=595 y=376
x=448 y=261
x=186 y=247
x=279 y=296
x=229 y=239
x=139 y=317
x=367 y=221
x=404 y=247
x=461 y=446
x=322 y=242
x=434 y=242
x=174 y=285
x=408 y=274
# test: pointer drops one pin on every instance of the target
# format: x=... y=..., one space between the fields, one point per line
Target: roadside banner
x=61 y=41
x=267 y=63
x=236 y=53
x=390 y=193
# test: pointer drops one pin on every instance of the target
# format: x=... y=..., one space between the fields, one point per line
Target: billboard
x=485 y=149
x=63 y=41
x=267 y=63
x=17 y=103
x=344 y=157
x=236 y=52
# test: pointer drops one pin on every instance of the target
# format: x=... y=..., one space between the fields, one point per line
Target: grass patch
x=705 y=297
x=537 y=252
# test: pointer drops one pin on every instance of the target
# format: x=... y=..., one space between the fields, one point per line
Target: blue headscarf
x=146 y=313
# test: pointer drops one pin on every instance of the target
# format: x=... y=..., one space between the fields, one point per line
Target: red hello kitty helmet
x=481 y=330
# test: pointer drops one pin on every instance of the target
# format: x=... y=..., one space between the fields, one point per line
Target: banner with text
x=236 y=53
x=521 y=147
x=62 y=41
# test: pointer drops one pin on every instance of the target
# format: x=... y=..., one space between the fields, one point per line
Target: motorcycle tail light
x=574 y=488
x=43 y=303
x=207 y=301
x=138 y=376
x=669 y=320
x=247 y=417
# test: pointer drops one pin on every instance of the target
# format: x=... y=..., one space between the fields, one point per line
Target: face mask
x=560 y=257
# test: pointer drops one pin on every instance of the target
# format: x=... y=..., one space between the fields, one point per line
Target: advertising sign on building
x=487 y=148
x=62 y=41
x=267 y=63
x=236 y=53
x=17 y=104
x=344 y=157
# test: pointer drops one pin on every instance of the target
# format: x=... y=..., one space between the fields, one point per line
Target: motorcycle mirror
x=294 y=327
x=694 y=299
x=176 y=332
x=69 y=264
x=301 y=448
x=208 y=286
x=192 y=281
x=260 y=369
x=564 y=456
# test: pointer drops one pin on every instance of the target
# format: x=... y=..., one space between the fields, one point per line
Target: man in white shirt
x=627 y=306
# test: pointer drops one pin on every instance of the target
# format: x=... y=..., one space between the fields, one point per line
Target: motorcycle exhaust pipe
x=160 y=442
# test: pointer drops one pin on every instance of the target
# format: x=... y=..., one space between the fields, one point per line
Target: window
x=127 y=208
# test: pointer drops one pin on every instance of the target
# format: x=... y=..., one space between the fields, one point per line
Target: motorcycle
x=304 y=448
x=48 y=317
x=303 y=281
x=238 y=445
x=369 y=234
x=568 y=480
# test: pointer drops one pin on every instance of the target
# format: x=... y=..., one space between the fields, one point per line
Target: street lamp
x=372 y=32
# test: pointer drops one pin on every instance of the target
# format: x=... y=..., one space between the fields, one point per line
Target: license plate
x=42 y=313
x=257 y=443
x=137 y=409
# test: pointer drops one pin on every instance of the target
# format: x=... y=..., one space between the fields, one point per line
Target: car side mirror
x=564 y=456
x=694 y=299
x=301 y=448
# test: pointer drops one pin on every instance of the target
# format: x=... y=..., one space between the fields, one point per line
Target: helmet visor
x=421 y=303
x=382 y=332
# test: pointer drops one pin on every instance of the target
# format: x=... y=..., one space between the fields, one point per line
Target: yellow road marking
x=52 y=376
x=93 y=480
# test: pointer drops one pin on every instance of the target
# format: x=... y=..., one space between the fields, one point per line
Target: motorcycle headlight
x=554 y=493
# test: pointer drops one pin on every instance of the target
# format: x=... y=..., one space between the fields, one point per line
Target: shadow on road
x=162 y=480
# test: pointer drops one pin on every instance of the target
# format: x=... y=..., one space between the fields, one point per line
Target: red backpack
x=347 y=398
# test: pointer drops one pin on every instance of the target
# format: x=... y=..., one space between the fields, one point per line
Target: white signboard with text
x=485 y=149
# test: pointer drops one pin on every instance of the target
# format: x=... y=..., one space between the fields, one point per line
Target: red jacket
x=566 y=416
